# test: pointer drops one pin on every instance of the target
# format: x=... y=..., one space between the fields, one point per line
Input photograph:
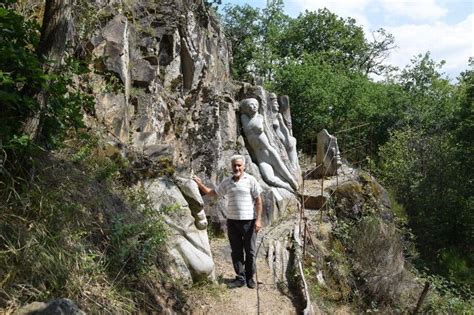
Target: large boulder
x=188 y=241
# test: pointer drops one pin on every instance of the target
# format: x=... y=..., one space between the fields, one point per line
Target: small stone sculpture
x=327 y=154
x=271 y=166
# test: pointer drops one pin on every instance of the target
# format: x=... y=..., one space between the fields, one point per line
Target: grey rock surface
x=188 y=242
x=56 y=307
x=328 y=157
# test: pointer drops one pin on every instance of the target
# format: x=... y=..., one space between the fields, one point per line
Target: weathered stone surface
x=112 y=47
x=143 y=73
x=284 y=102
x=55 y=307
x=315 y=201
x=191 y=193
x=113 y=112
x=32 y=308
x=328 y=159
x=267 y=104
x=187 y=243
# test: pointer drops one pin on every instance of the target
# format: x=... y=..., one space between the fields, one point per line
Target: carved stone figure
x=188 y=242
x=283 y=132
x=190 y=191
x=271 y=166
x=327 y=154
x=284 y=102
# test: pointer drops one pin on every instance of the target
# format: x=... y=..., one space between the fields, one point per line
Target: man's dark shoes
x=251 y=284
x=236 y=283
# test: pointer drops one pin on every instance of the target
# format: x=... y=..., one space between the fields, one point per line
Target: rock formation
x=328 y=159
x=161 y=77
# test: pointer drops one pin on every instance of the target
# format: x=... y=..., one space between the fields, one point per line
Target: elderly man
x=244 y=211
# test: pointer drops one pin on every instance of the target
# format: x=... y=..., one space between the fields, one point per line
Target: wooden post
x=422 y=297
x=304 y=238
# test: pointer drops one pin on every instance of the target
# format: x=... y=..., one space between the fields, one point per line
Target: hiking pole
x=256 y=275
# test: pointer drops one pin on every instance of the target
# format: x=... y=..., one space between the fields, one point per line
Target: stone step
x=314 y=201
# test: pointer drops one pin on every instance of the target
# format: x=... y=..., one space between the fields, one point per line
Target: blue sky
x=443 y=27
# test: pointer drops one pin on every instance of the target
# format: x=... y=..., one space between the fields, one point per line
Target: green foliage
x=264 y=40
x=68 y=233
x=242 y=38
x=428 y=177
x=448 y=298
x=323 y=33
x=135 y=246
x=324 y=97
x=19 y=66
x=46 y=249
x=22 y=78
x=431 y=106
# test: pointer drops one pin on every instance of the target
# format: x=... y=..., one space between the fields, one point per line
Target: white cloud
x=415 y=10
x=343 y=8
x=336 y=5
x=427 y=32
x=452 y=43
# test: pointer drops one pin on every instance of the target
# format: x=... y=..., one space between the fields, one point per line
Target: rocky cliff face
x=158 y=69
x=161 y=79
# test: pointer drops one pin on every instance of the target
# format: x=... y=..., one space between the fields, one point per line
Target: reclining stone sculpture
x=272 y=168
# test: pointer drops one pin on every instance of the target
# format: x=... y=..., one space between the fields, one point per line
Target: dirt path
x=242 y=300
x=272 y=297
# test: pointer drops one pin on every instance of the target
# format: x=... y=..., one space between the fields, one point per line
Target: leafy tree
x=19 y=66
x=427 y=165
x=254 y=34
x=377 y=51
x=270 y=38
x=336 y=40
x=242 y=27
x=431 y=95
x=274 y=22
x=340 y=42
x=337 y=99
x=24 y=75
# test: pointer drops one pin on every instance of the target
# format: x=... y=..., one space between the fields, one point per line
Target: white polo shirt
x=241 y=196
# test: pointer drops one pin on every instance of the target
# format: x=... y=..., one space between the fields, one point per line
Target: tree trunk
x=56 y=33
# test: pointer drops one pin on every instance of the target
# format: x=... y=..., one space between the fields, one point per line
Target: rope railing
x=303 y=219
x=361 y=143
x=351 y=128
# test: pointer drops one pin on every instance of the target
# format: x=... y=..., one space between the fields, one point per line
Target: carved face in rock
x=249 y=106
x=274 y=102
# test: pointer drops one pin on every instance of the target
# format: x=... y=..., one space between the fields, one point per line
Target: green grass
x=75 y=230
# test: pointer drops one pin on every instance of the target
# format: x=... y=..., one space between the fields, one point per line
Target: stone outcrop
x=55 y=307
x=328 y=159
x=161 y=76
x=188 y=241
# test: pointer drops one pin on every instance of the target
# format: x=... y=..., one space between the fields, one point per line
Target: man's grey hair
x=237 y=157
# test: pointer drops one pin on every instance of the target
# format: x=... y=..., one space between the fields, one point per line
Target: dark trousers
x=242 y=238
